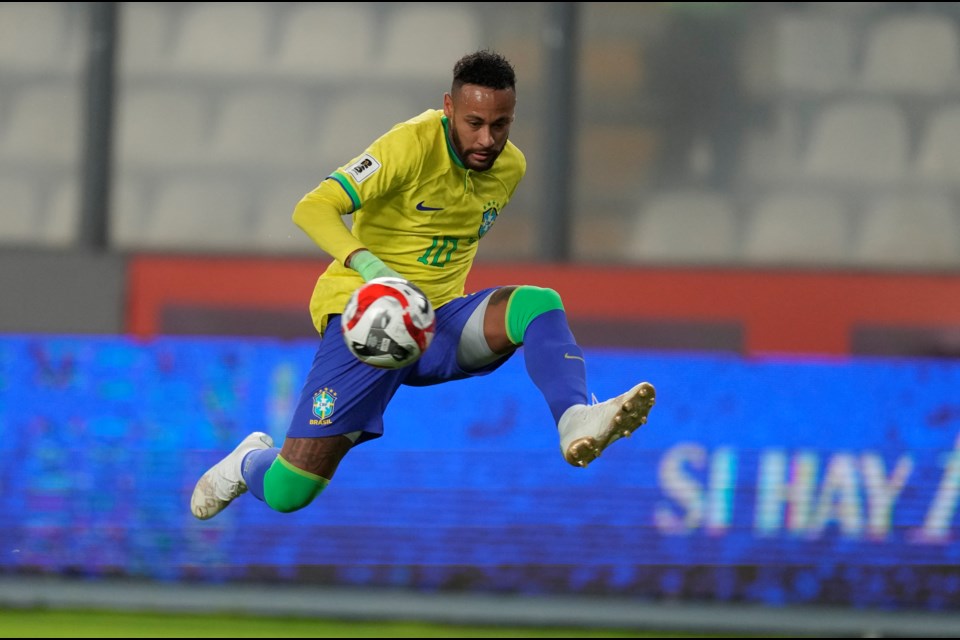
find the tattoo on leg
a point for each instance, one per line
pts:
(495, 321)
(501, 295)
(319, 456)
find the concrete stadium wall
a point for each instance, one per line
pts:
(62, 291)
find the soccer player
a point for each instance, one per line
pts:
(422, 196)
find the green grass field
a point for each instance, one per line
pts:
(63, 623)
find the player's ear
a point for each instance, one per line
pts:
(448, 105)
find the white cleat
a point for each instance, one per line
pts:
(586, 430)
(223, 481)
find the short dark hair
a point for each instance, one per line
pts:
(485, 68)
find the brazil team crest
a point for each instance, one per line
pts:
(490, 214)
(323, 405)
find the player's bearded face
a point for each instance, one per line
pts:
(480, 120)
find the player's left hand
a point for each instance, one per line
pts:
(370, 266)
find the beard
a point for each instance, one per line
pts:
(470, 161)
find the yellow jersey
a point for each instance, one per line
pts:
(417, 208)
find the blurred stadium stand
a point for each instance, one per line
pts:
(840, 101)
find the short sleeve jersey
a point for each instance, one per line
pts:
(417, 208)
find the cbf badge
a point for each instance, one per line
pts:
(323, 401)
(489, 217)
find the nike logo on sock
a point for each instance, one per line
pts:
(567, 356)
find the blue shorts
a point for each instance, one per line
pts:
(342, 394)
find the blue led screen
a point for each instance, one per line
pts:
(828, 481)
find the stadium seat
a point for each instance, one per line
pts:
(858, 143)
(911, 53)
(261, 126)
(798, 229)
(200, 214)
(44, 124)
(223, 38)
(351, 121)
(61, 224)
(130, 207)
(424, 40)
(771, 151)
(938, 157)
(39, 212)
(146, 36)
(685, 226)
(814, 53)
(326, 40)
(162, 126)
(920, 231)
(41, 37)
(274, 230)
(20, 212)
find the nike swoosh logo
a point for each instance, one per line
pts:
(567, 356)
(422, 207)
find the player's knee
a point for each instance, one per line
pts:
(287, 488)
(526, 303)
(540, 297)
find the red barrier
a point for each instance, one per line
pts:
(799, 312)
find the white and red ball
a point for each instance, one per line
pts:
(388, 323)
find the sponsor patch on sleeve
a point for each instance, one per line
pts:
(365, 166)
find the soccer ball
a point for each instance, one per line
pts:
(388, 323)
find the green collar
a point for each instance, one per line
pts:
(446, 136)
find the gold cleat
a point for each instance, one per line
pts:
(587, 430)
